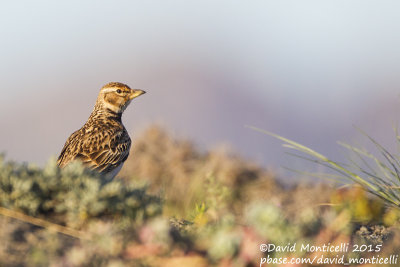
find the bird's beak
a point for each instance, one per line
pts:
(135, 93)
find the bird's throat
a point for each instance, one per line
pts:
(102, 111)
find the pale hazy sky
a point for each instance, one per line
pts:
(308, 70)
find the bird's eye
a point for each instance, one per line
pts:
(119, 91)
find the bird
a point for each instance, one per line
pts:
(103, 143)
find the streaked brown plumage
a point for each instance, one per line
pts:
(102, 143)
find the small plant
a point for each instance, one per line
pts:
(380, 177)
(355, 201)
(71, 196)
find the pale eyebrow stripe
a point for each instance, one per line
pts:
(113, 89)
(109, 90)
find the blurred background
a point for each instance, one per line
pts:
(306, 70)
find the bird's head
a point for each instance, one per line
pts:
(117, 96)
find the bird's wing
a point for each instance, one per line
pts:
(70, 149)
(109, 153)
(100, 150)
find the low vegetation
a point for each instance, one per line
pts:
(175, 206)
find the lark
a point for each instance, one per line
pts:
(102, 143)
